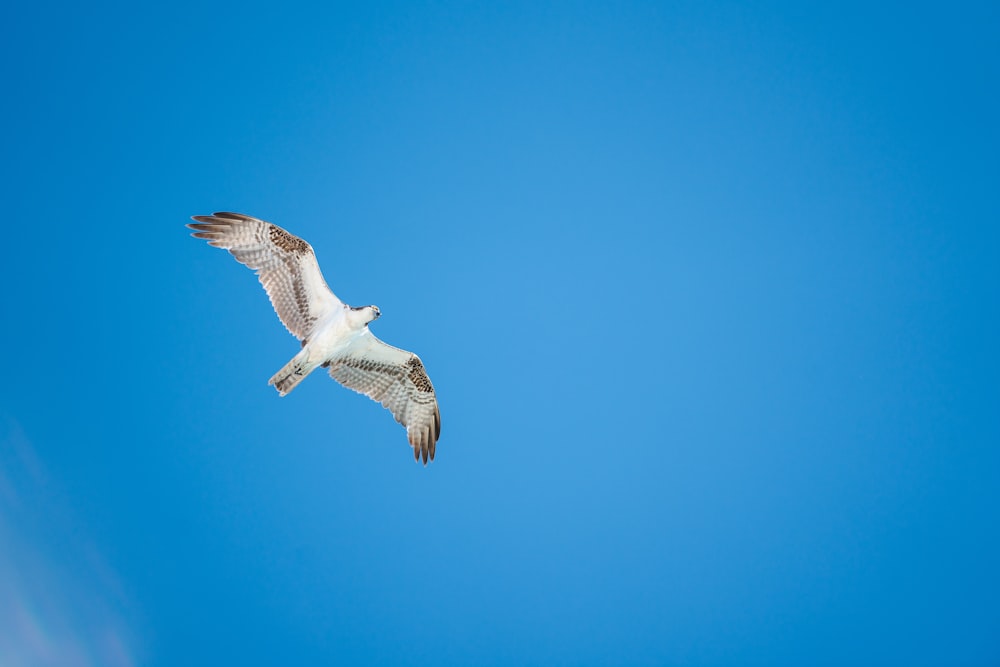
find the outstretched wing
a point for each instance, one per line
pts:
(396, 379)
(285, 264)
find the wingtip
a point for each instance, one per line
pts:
(229, 215)
(423, 447)
(221, 217)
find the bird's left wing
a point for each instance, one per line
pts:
(396, 379)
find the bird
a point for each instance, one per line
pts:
(333, 334)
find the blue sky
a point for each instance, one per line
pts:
(708, 291)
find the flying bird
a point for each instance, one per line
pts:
(334, 335)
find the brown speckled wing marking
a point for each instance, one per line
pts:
(287, 242)
(418, 376)
(396, 379)
(285, 264)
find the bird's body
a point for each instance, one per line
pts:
(333, 335)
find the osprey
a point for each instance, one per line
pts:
(333, 334)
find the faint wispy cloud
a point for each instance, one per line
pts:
(59, 602)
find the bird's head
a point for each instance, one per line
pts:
(363, 315)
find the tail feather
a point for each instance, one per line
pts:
(292, 373)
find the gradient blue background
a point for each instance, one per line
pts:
(709, 293)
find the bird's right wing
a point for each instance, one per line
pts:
(285, 264)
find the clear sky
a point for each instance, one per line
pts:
(710, 294)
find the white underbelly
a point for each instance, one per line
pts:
(331, 340)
